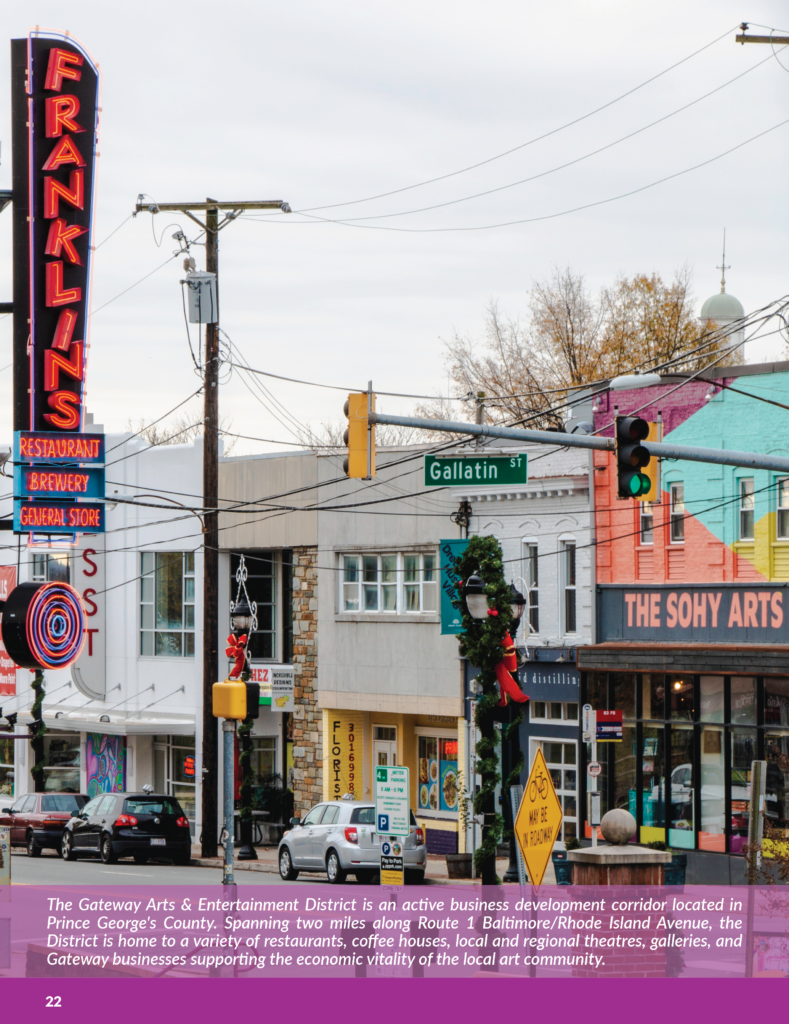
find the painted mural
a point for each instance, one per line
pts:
(105, 757)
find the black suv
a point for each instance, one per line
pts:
(139, 825)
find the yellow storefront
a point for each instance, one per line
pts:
(432, 747)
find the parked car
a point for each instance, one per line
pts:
(138, 825)
(37, 820)
(339, 838)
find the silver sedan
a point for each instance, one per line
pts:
(339, 838)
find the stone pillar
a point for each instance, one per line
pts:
(605, 866)
(307, 717)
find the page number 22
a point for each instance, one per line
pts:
(54, 1001)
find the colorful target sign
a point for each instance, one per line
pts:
(44, 625)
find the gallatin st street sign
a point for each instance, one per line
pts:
(484, 470)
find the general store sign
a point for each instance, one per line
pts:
(718, 613)
(476, 471)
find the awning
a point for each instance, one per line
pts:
(701, 659)
(116, 724)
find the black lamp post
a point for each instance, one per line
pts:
(242, 620)
(511, 749)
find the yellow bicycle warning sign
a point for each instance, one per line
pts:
(538, 821)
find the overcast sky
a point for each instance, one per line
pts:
(323, 103)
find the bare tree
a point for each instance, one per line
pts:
(182, 430)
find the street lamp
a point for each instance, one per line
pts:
(243, 620)
(517, 604)
(242, 616)
(476, 602)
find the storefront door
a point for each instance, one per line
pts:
(384, 745)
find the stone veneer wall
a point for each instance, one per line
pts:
(307, 717)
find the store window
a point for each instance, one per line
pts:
(61, 762)
(743, 752)
(553, 711)
(776, 701)
(712, 833)
(6, 767)
(561, 761)
(782, 519)
(776, 752)
(677, 513)
(568, 584)
(167, 604)
(711, 692)
(395, 583)
(438, 775)
(261, 587)
(51, 568)
(682, 820)
(625, 756)
(531, 574)
(653, 773)
(653, 695)
(746, 509)
(743, 700)
(680, 690)
(174, 771)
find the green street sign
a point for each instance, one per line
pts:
(477, 470)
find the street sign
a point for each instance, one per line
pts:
(451, 616)
(392, 868)
(594, 768)
(392, 808)
(475, 471)
(587, 724)
(539, 820)
(609, 726)
(282, 684)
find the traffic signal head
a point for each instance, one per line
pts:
(359, 436)
(230, 699)
(631, 457)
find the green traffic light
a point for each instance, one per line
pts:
(638, 484)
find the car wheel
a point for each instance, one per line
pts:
(140, 858)
(33, 849)
(334, 869)
(66, 847)
(414, 877)
(366, 877)
(108, 855)
(286, 870)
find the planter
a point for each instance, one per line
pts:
(562, 867)
(674, 873)
(459, 865)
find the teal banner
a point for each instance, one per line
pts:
(451, 618)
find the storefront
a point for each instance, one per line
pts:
(696, 711)
(430, 746)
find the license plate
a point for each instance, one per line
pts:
(158, 842)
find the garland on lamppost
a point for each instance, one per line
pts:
(243, 622)
(37, 730)
(481, 642)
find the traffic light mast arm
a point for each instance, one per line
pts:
(750, 460)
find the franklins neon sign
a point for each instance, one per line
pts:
(61, 105)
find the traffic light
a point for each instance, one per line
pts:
(359, 436)
(631, 456)
(230, 699)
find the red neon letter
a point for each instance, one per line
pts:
(54, 190)
(60, 112)
(65, 329)
(61, 237)
(54, 362)
(65, 152)
(56, 295)
(58, 68)
(66, 416)
(86, 558)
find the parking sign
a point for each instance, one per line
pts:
(392, 808)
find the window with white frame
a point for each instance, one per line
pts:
(746, 508)
(782, 519)
(568, 578)
(51, 568)
(397, 583)
(553, 711)
(531, 574)
(167, 604)
(677, 513)
(646, 522)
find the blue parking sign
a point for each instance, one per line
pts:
(383, 823)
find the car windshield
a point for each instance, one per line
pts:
(152, 805)
(67, 802)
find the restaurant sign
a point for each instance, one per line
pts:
(754, 613)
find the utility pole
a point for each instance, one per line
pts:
(212, 227)
(772, 39)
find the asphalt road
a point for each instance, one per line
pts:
(49, 869)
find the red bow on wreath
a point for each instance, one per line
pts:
(508, 664)
(237, 648)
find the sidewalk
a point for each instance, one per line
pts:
(436, 873)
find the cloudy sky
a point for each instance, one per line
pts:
(329, 103)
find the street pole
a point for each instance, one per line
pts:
(212, 227)
(229, 736)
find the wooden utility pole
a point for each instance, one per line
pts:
(772, 39)
(212, 227)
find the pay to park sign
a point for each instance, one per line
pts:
(538, 821)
